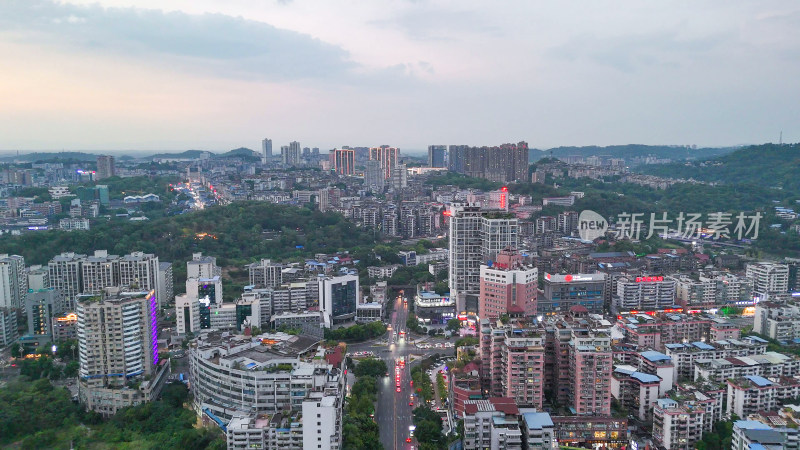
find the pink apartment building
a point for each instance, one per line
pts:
(507, 287)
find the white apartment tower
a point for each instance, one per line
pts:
(13, 281)
(65, 275)
(769, 279)
(476, 236)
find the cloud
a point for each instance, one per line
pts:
(633, 52)
(441, 24)
(227, 46)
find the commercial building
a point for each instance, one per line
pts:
(508, 285)
(117, 347)
(369, 312)
(562, 292)
(645, 293)
(105, 167)
(594, 432)
(338, 297)
(296, 320)
(187, 314)
(434, 309)
(165, 289)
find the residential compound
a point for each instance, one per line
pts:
(779, 321)
(569, 357)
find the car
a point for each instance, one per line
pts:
(408, 439)
(410, 403)
(398, 388)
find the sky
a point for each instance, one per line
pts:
(141, 75)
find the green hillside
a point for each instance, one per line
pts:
(631, 151)
(768, 165)
(241, 153)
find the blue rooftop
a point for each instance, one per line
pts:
(538, 420)
(759, 381)
(751, 425)
(703, 346)
(645, 377)
(654, 356)
(757, 339)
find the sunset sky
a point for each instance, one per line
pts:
(121, 75)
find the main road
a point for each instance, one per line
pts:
(393, 412)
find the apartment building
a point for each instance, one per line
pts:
(769, 279)
(660, 328)
(779, 321)
(768, 364)
(492, 424)
(684, 355)
(634, 390)
(645, 293)
(753, 393)
(13, 282)
(507, 285)
(117, 344)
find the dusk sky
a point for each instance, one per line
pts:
(120, 75)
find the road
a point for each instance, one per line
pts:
(393, 412)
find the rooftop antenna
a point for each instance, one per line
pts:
(780, 139)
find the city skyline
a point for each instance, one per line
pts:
(128, 75)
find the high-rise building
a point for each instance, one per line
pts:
(386, 156)
(8, 327)
(285, 158)
(13, 281)
(343, 161)
(99, 272)
(504, 163)
(374, 180)
(399, 177)
(65, 276)
(165, 291)
(338, 297)
(105, 167)
(118, 343)
(266, 150)
(295, 154)
(769, 279)
(41, 307)
(139, 271)
(265, 274)
(187, 314)
(476, 236)
(507, 286)
(437, 156)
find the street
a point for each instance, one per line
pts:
(393, 412)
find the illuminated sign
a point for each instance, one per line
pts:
(648, 279)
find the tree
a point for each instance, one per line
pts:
(371, 367)
(453, 325)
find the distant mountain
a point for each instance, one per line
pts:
(631, 151)
(188, 154)
(768, 165)
(243, 153)
(50, 157)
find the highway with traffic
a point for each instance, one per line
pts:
(396, 399)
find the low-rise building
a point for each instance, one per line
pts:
(684, 355)
(492, 424)
(769, 364)
(754, 435)
(752, 393)
(538, 431)
(369, 312)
